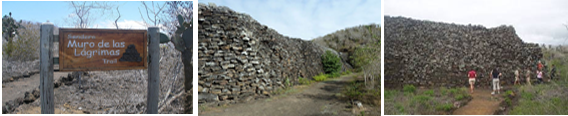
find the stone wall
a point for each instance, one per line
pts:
(426, 53)
(242, 60)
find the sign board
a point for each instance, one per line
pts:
(102, 49)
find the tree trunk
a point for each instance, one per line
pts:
(186, 59)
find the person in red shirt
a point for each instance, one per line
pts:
(539, 65)
(471, 75)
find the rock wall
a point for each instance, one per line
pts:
(426, 53)
(241, 60)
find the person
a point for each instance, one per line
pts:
(471, 74)
(539, 66)
(552, 72)
(528, 75)
(496, 74)
(517, 77)
(539, 76)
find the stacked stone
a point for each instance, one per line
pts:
(241, 60)
(426, 53)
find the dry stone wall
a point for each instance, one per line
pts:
(242, 60)
(426, 53)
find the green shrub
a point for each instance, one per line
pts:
(305, 81)
(459, 97)
(421, 99)
(353, 90)
(429, 92)
(454, 91)
(389, 94)
(320, 77)
(508, 101)
(444, 107)
(333, 75)
(346, 72)
(331, 62)
(409, 88)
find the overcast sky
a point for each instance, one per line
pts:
(307, 19)
(536, 21)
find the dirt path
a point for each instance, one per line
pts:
(314, 100)
(481, 104)
(18, 88)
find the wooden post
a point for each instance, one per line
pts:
(153, 70)
(46, 68)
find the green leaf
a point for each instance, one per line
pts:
(164, 38)
(180, 19)
(178, 43)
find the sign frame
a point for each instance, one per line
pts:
(66, 60)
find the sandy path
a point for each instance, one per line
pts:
(314, 100)
(481, 104)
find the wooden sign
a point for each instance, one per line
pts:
(102, 49)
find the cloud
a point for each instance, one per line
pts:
(534, 21)
(307, 19)
(124, 24)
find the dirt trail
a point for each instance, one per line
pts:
(481, 104)
(18, 88)
(314, 100)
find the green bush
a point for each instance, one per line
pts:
(429, 92)
(305, 81)
(331, 62)
(353, 90)
(346, 72)
(320, 77)
(334, 75)
(409, 88)
(445, 107)
(389, 94)
(459, 97)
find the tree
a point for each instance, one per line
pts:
(153, 11)
(85, 12)
(174, 8)
(9, 31)
(116, 21)
(178, 23)
(9, 27)
(331, 62)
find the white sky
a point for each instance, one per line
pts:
(307, 19)
(535, 21)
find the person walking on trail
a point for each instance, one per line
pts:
(471, 74)
(552, 72)
(517, 80)
(528, 75)
(539, 76)
(539, 66)
(496, 74)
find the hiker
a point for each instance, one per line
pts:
(471, 74)
(539, 66)
(517, 77)
(528, 75)
(552, 72)
(539, 76)
(495, 74)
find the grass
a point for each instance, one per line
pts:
(320, 77)
(409, 88)
(305, 81)
(410, 100)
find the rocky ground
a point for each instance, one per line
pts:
(120, 91)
